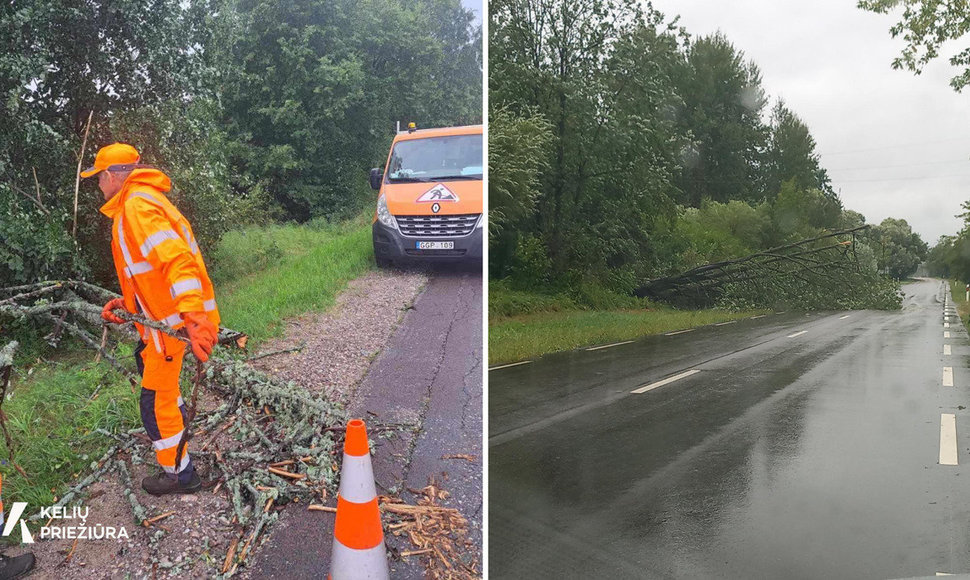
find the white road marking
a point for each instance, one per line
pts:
(782, 312)
(946, 325)
(666, 381)
(525, 362)
(946, 334)
(680, 332)
(946, 350)
(948, 439)
(723, 323)
(797, 334)
(947, 376)
(759, 316)
(609, 345)
(844, 317)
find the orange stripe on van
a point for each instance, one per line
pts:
(356, 441)
(358, 525)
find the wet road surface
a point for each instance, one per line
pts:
(804, 446)
(428, 379)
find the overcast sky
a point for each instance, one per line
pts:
(895, 144)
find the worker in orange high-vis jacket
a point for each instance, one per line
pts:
(163, 278)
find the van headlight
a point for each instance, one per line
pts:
(383, 215)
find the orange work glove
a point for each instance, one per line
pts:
(113, 304)
(202, 334)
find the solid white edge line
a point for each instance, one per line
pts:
(946, 350)
(797, 334)
(666, 381)
(947, 376)
(948, 439)
(844, 317)
(680, 332)
(609, 345)
(525, 362)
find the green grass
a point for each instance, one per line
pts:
(527, 336)
(53, 415)
(959, 293)
(308, 268)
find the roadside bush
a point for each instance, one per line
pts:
(531, 265)
(34, 246)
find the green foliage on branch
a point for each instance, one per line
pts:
(926, 26)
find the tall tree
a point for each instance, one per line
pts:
(791, 155)
(312, 89)
(899, 250)
(723, 103)
(600, 72)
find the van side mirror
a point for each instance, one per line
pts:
(376, 177)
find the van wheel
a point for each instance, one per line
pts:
(383, 262)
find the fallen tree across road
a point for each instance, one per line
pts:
(820, 273)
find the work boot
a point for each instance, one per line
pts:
(16, 566)
(162, 484)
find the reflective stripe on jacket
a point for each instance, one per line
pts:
(156, 257)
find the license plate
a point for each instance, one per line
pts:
(434, 245)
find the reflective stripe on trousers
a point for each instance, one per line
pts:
(162, 409)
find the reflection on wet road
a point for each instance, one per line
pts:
(801, 446)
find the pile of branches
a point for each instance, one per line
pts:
(824, 272)
(438, 533)
(281, 439)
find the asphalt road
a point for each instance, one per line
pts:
(804, 446)
(428, 377)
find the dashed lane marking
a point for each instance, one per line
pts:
(946, 334)
(759, 316)
(666, 381)
(525, 362)
(946, 325)
(724, 323)
(946, 350)
(844, 317)
(609, 345)
(948, 439)
(680, 332)
(947, 376)
(797, 334)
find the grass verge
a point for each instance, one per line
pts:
(959, 293)
(525, 325)
(309, 267)
(54, 412)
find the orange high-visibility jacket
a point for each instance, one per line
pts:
(156, 256)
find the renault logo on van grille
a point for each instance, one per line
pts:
(436, 194)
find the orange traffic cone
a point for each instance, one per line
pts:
(358, 539)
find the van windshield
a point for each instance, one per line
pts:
(436, 159)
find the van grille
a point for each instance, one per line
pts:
(427, 226)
